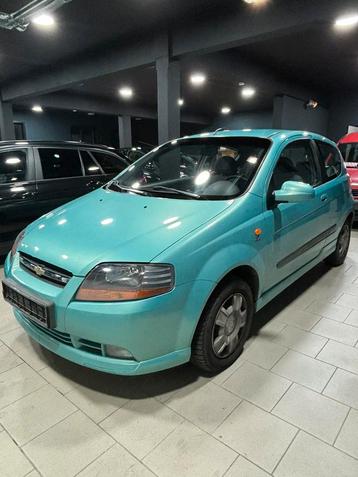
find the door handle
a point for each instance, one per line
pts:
(324, 197)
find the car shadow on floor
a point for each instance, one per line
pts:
(169, 381)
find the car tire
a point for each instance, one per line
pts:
(338, 257)
(223, 327)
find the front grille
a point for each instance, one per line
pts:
(40, 312)
(45, 271)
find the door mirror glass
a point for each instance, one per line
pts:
(292, 191)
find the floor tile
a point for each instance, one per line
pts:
(140, 425)
(95, 404)
(189, 452)
(257, 385)
(7, 319)
(17, 383)
(244, 468)
(348, 300)
(343, 387)
(347, 440)
(300, 340)
(304, 370)
(336, 331)
(352, 318)
(68, 447)
(194, 406)
(222, 377)
(329, 310)
(35, 413)
(116, 462)
(312, 412)
(299, 318)
(310, 457)
(58, 380)
(340, 355)
(30, 351)
(8, 359)
(13, 463)
(264, 352)
(256, 435)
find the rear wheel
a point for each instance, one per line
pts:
(339, 255)
(224, 327)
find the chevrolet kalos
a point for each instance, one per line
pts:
(169, 261)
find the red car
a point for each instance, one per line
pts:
(348, 146)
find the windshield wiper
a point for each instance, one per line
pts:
(126, 189)
(171, 190)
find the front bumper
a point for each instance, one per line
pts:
(156, 331)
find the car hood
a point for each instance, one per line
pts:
(113, 226)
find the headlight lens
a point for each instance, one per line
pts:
(16, 243)
(126, 281)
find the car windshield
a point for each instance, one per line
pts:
(205, 168)
(349, 152)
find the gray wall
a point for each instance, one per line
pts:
(290, 113)
(253, 120)
(343, 113)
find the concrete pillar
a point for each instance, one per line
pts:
(125, 131)
(7, 129)
(168, 93)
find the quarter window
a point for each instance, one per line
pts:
(330, 160)
(13, 166)
(60, 163)
(110, 164)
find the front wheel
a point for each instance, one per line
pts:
(339, 255)
(224, 327)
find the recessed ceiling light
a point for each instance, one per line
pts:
(126, 92)
(225, 110)
(91, 114)
(347, 21)
(37, 108)
(44, 20)
(255, 2)
(248, 92)
(180, 101)
(197, 79)
(242, 83)
(74, 110)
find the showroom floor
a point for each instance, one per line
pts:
(288, 407)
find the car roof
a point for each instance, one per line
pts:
(262, 133)
(25, 142)
(349, 138)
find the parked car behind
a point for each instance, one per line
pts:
(167, 264)
(36, 177)
(348, 146)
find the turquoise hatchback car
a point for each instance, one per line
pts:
(169, 261)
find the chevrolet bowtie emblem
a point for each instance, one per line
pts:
(39, 270)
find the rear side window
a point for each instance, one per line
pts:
(330, 160)
(110, 164)
(60, 163)
(13, 166)
(90, 166)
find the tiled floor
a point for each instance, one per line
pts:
(287, 408)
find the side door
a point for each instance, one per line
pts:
(60, 177)
(17, 193)
(111, 164)
(298, 230)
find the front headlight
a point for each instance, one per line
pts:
(16, 244)
(126, 281)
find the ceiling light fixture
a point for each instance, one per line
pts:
(242, 83)
(91, 114)
(248, 92)
(255, 3)
(126, 92)
(43, 20)
(347, 21)
(74, 110)
(197, 79)
(37, 108)
(181, 102)
(225, 110)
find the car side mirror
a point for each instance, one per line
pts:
(292, 191)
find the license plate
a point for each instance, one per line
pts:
(36, 309)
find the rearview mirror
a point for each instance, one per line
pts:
(292, 191)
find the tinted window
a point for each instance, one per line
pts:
(90, 166)
(330, 160)
(58, 163)
(296, 163)
(13, 166)
(110, 164)
(349, 152)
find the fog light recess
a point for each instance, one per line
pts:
(117, 352)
